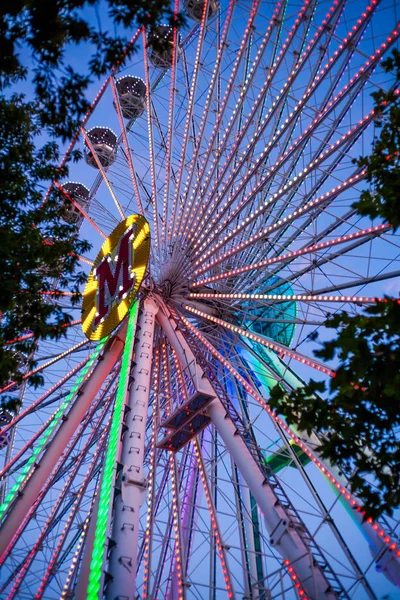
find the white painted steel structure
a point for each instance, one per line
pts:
(150, 465)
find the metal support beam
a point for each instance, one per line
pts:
(283, 537)
(123, 557)
(57, 445)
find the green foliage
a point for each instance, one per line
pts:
(38, 248)
(358, 420)
(357, 416)
(382, 199)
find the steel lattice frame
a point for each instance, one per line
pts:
(242, 162)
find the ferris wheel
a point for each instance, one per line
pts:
(217, 189)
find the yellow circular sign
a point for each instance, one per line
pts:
(116, 276)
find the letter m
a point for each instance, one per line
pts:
(114, 277)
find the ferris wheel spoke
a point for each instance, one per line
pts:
(170, 136)
(324, 511)
(324, 143)
(178, 548)
(279, 348)
(293, 117)
(154, 193)
(304, 14)
(224, 187)
(102, 171)
(357, 283)
(148, 537)
(274, 298)
(53, 515)
(128, 152)
(37, 403)
(322, 201)
(328, 37)
(54, 360)
(362, 236)
(368, 525)
(89, 421)
(330, 259)
(176, 206)
(90, 110)
(297, 146)
(271, 201)
(224, 104)
(80, 548)
(81, 209)
(223, 412)
(207, 103)
(216, 529)
(302, 21)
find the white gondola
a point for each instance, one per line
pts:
(104, 143)
(194, 8)
(132, 96)
(80, 194)
(161, 46)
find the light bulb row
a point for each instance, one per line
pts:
(290, 298)
(151, 478)
(150, 139)
(264, 123)
(209, 95)
(293, 115)
(345, 494)
(301, 175)
(288, 256)
(231, 79)
(105, 493)
(53, 421)
(278, 348)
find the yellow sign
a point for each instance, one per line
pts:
(116, 276)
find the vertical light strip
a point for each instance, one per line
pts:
(177, 208)
(207, 103)
(106, 489)
(55, 419)
(151, 479)
(154, 200)
(170, 129)
(213, 518)
(174, 477)
(207, 493)
(72, 514)
(200, 179)
(73, 566)
(176, 519)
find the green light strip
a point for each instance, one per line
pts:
(55, 419)
(106, 490)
